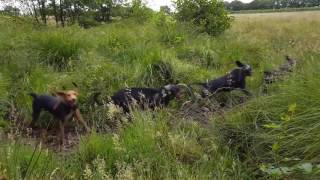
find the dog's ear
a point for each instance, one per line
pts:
(60, 93)
(239, 64)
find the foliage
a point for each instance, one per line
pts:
(158, 73)
(59, 49)
(209, 15)
(268, 136)
(87, 21)
(10, 11)
(237, 5)
(140, 11)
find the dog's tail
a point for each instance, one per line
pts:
(34, 95)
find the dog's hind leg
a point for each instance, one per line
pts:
(35, 117)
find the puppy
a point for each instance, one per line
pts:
(63, 107)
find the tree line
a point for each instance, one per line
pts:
(86, 12)
(237, 5)
(209, 16)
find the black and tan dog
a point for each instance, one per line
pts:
(272, 76)
(63, 107)
(236, 79)
(145, 97)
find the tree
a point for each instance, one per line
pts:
(165, 9)
(210, 15)
(10, 10)
(237, 5)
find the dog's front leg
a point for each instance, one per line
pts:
(80, 118)
(62, 139)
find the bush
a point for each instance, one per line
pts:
(210, 15)
(203, 56)
(87, 22)
(158, 74)
(59, 49)
(172, 37)
(139, 11)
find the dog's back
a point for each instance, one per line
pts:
(138, 94)
(143, 97)
(215, 84)
(45, 102)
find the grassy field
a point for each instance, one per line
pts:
(273, 136)
(276, 10)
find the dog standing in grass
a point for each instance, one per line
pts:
(146, 97)
(272, 76)
(63, 107)
(236, 79)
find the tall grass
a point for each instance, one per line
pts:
(272, 135)
(59, 48)
(280, 131)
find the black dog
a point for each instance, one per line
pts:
(236, 79)
(63, 107)
(145, 97)
(270, 77)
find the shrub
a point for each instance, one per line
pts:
(59, 48)
(203, 56)
(161, 19)
(87, 22)
(158, 74)
(210, 15)
(139, 11)
(171, 33)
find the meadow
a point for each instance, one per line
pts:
(276, 10)
(269, 136)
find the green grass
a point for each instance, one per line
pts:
(270, 136)
(276, 10)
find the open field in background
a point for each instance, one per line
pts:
(276, 10)
(268, 136)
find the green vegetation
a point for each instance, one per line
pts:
(210, 15)
(272, 135)
(237, 5)
(276, 10)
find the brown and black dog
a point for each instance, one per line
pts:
(63, 107)
(146, 97)
(272, 76)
